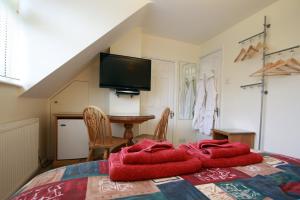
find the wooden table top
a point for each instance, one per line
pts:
(129, 118)
(233, 131)
(114, 118)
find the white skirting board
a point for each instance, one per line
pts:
(19, 143)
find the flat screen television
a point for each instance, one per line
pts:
(124, 72)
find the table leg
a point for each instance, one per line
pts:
(128, 134)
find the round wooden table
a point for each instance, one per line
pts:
(129, 120)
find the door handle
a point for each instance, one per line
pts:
(172, 114)
(62, 124)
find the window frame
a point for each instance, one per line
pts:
(10, 75)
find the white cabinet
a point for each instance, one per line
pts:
(72, 139)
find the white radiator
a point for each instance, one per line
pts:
(19, 143)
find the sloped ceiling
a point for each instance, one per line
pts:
(196, 21)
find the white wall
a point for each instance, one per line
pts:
(240, 108)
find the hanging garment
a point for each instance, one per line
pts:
(210, 105)
(199, 109)
(187, 100)
(183, 100)
(190, 100)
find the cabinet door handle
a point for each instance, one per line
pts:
(63, 125)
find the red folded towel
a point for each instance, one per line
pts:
(122, 172)
(150, 146)
(151, 152)
(240, 160)
(218, 148)
(247, 159)
(205, 142)
(225, 150)
(142, 157)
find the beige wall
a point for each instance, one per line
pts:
(82, 91)
(129, 44)
(176, 51)
(240, 108)
(164, 48)
(135, 43)
(14, 108)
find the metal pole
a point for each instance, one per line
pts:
(249, 38)
(250, 85)
(263, 92)
(287, 49)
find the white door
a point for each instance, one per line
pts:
(211, 65)
(160, 96)
(72, 139)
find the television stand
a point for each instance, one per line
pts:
(131, 92)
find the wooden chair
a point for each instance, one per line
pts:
(160, 130)
(99, 130)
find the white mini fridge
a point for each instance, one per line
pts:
(72, 139)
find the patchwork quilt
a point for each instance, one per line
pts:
(278, 177)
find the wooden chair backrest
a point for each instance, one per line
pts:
(98, 125)
(162, 126)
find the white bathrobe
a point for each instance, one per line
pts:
(199, 109)
(210, 105)
(190, 101)
(182, 105)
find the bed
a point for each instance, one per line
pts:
(277, 177)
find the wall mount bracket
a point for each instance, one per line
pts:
(130, 92)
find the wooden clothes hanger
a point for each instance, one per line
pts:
(258, 72)
(295, 61)
(293, 64)
(259, 46)
(287, 66)
(277, 74)
(263, 70)
(250, 52)
(242, 53)
(272, 69)
(278, 69)
(276, 65)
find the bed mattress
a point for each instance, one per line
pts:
(277, 177)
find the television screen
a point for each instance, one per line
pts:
(124, 72)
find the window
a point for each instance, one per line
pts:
(7, 35)
(3, 40)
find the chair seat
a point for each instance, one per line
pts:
(115, 141)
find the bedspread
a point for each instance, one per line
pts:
(278, 177)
